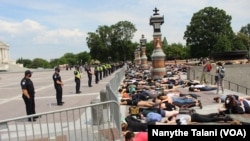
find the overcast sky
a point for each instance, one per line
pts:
(50, 28)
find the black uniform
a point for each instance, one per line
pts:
(27, 84)
(96, 74)
(89, 76)
(58, 87)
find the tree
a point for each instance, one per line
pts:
(25, 62)
(246, 30)
(111, 41)
(241, 42)
(207, 26)
(39, 62)
(223, 44)
(83, 57)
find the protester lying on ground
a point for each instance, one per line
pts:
(140, 103)
(222, 98)
(180, 101)
(179, 93)
(163, 112)
(191, 117)
(197, 88)
(235, 105)
(136, 125)
(192, 82)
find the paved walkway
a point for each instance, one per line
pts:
(11, 102)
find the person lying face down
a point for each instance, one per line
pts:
(180, 101)
(234, 104)
(197, 88)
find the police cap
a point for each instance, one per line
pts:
(27, 72)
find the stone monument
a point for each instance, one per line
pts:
(158, 57)
(137, 57)
(144, 59)
(5, 63)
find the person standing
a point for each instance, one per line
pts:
(89, 72)
(28, 95)
(205, 64)
(58, 86)
(96, 71)
(219, 70)
(78, 76)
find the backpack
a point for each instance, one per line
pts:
(134, 110)
(221, 71)
(209, 67)
(155, 117)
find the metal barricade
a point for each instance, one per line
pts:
(73, 124)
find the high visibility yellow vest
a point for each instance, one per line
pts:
(77, 74)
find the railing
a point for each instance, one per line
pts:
(195, 74)
(98, 121)
(85, 123)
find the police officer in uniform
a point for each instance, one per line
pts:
(100, 72)
(96, 71)
(58, 86)
(77, 74)
(89, 72)
(28, 91)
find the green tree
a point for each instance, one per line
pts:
(205, 29)
(68, 58)
(149, 49)
(83, 57)
(223, 44)
(246, 30)
(241, 42)
(111, 41)
(25, 62)
(39, 62)
(176, 51)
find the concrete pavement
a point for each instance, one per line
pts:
(11, 102)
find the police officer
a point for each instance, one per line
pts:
(77, 74)
(89, 72)
(28, 91)
(96, 71)
(58, 86)
(100, 72)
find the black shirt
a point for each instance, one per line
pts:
(28, 85)
(56, 77)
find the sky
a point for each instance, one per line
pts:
(50, 28)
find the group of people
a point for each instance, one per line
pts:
(161, 101)
(219, 74)
(28, 89)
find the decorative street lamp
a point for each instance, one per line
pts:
(158, 56)
(144, 63)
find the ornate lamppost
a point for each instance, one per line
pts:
(137, 57)
(144, 59)
(158, 57)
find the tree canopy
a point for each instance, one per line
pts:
(208, 30)
(112, 41)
